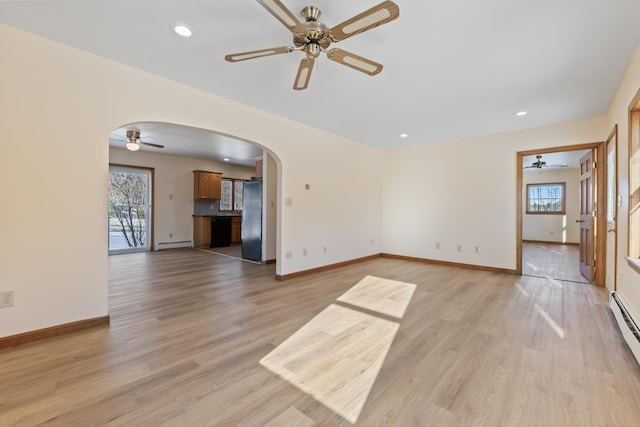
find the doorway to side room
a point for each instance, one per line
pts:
(553, 257)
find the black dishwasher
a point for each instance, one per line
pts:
(220, 231)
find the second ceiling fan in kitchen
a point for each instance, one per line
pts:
(313, 37)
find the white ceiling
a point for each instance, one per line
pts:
(452, 69)
(189, 142)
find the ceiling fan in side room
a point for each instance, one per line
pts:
(134, 141)
(539, 164)
(313, 37)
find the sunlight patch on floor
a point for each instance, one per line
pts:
(522, 291)
(533, 267)
(556, 328)
(381, 295)
(337, 355)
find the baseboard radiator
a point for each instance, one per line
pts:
(173, 245)
(627, 321)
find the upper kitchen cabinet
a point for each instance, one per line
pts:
(207, 185)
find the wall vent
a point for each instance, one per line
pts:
(173, 245)
(627, 322)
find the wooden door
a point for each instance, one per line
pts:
(612, 209)
(586, 217)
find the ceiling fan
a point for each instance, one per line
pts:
(539, 164)
(134, 141)
(314, 37)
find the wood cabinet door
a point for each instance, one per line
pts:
(216, 185)
(207, 185)
(204, 185)
(236, 231)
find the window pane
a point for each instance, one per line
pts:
(226, 199)
(545, 198)
(237, 196)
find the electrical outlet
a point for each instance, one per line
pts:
(477, 249)
(304, 252)
(324, 249)
(459, 248)
(437, 245)
(289, 255)
(170, 235)
(6, 299)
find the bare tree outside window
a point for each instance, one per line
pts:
(128, 208)
(231, 199)
(546, 198)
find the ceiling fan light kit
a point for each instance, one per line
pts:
(134, 141)
(314, 37)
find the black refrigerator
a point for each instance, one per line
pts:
(252, 220)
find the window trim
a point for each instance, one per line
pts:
(563, 210)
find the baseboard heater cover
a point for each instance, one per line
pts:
(627, 321)
(174, 245)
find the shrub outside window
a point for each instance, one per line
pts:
(548, 198)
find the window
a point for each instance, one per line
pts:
(231, 197)
(634, 177)
(129, 209)
(546, 198)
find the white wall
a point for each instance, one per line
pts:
(464, 193)
(173, 188)
(553, 228)
(628, 281)
(58, 107)
(269, 209)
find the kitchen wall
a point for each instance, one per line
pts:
(173, 188)
(59, 106)
(553, 228)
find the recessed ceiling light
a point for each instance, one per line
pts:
(403, 135)
(521, 113)
(182, 30)
(225, 159)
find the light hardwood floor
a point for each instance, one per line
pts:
(189, 330)
(554, 261)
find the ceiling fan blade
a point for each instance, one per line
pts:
(284, 15)
(354, 61)
(235, 57)
(558, 165)
(380, 14)
(304, 74)
(151, 144)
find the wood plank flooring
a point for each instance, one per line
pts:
(189, 329)
(554, 261)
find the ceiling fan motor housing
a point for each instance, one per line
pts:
(316, 38)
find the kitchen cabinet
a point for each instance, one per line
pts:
(207, 185)
(202, 231)
(236, 229)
